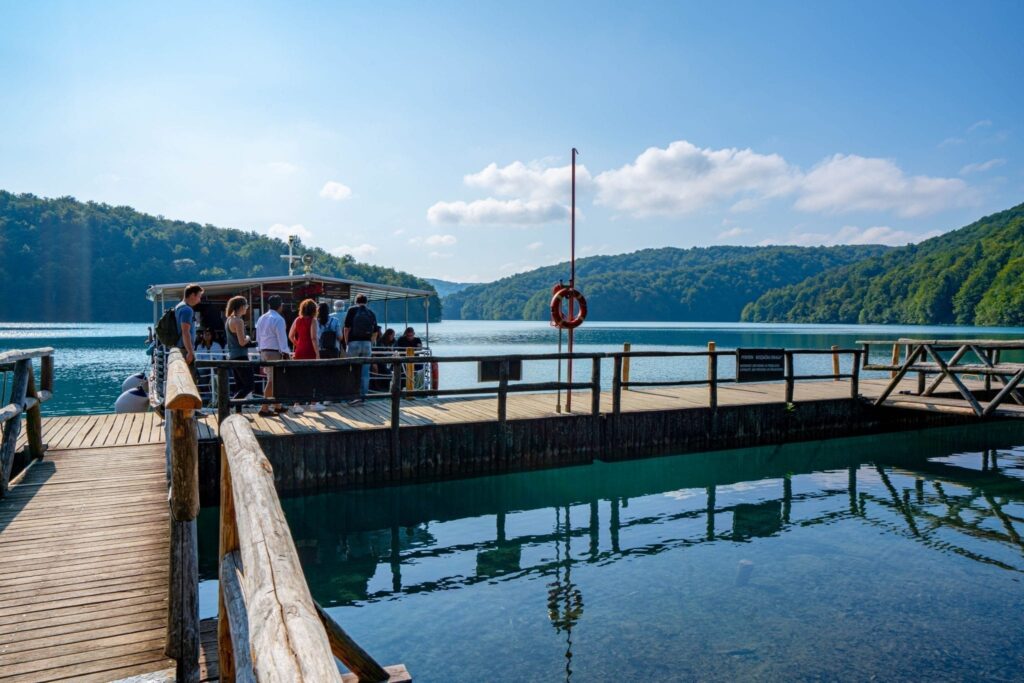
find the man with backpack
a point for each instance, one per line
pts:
(360, 323)
(177, 326)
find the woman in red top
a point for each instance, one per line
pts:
(303, 334)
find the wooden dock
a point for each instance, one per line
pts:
(83, 561)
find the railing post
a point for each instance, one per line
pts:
(835, 363)
(410, 370)
(396, 416)
(595, 402)
(712, 376)
(181, 399)
(895, 359)
(989, 355)
(625, 364)
(855, 376)
(616, 384)
(503, 369)
(223, 394)
(34, 419)
(789, 376)
(12, 428)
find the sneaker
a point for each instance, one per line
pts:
(356, 402)
(296, 410)
(317, 407)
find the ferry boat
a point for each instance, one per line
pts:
(392, 305)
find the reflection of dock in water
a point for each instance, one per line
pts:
(946, 507)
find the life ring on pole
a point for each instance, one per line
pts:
(435, 375)
(558, 318)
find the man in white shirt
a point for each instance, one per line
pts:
(272, 340)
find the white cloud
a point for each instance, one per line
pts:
(439, 254)
(492, 211)
(534, 246)
(434, 241)
(683, 178)
(982, 167)
(336, 191)
(949, 142)
(360, 251)
(282, 231)
(399, 232)
(851, 234)
(530, 181)
(984, 123)
(854, 183)
(732, 233)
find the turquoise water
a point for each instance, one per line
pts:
(890, 557)
(93, 359)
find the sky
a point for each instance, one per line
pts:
(435, 137)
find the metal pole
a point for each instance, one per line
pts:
(426, 322)
(572, 279)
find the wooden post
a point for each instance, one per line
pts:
(184, 455)
(233, 624)
(835, 363)
(34, 419)
(182, 642)
(855, 379)
(228, 544)
(396, 416)
(502, 409)
(410, 370)
(616, 385)
(12, 428)
(789, 377)
(46, 373)
(625, 364)
(988, 378)
(895, 359)
(595, 402)
(712, 376)
(223, 394)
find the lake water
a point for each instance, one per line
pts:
(93, 359)
(891, 557)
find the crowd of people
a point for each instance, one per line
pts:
(314, 333)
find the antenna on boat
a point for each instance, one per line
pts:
(291, 257)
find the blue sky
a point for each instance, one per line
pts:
(434, 137)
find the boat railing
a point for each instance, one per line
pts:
(25, 397)
(264, 603)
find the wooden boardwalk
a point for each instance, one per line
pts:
(83, 565)
(96, 431)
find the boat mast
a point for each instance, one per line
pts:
(290, 257)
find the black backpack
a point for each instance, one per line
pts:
(363, 323)
(167, 331)
(328, 341)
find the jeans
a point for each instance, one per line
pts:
(362, 349)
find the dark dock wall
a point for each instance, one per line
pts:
(305, 463)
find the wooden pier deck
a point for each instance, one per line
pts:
(95, 431)
(83, 563)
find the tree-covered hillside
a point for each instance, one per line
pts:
(65, 260)
(971, 276)
(668, 284)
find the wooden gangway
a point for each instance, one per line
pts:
(99, 557)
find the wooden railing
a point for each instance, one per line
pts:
(620, 376)
(269, 627)
(26, 398)
(181, 400)
(927, 357)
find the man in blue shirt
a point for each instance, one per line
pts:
(185, 316)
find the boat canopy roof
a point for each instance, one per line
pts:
(290, 287)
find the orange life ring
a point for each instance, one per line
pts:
(558, 319)
(435, 376)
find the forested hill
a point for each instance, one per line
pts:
(668, 284)
(65, 260)
(971, 276)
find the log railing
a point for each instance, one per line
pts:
(269, 627)
(182, 443)
(25, 399)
